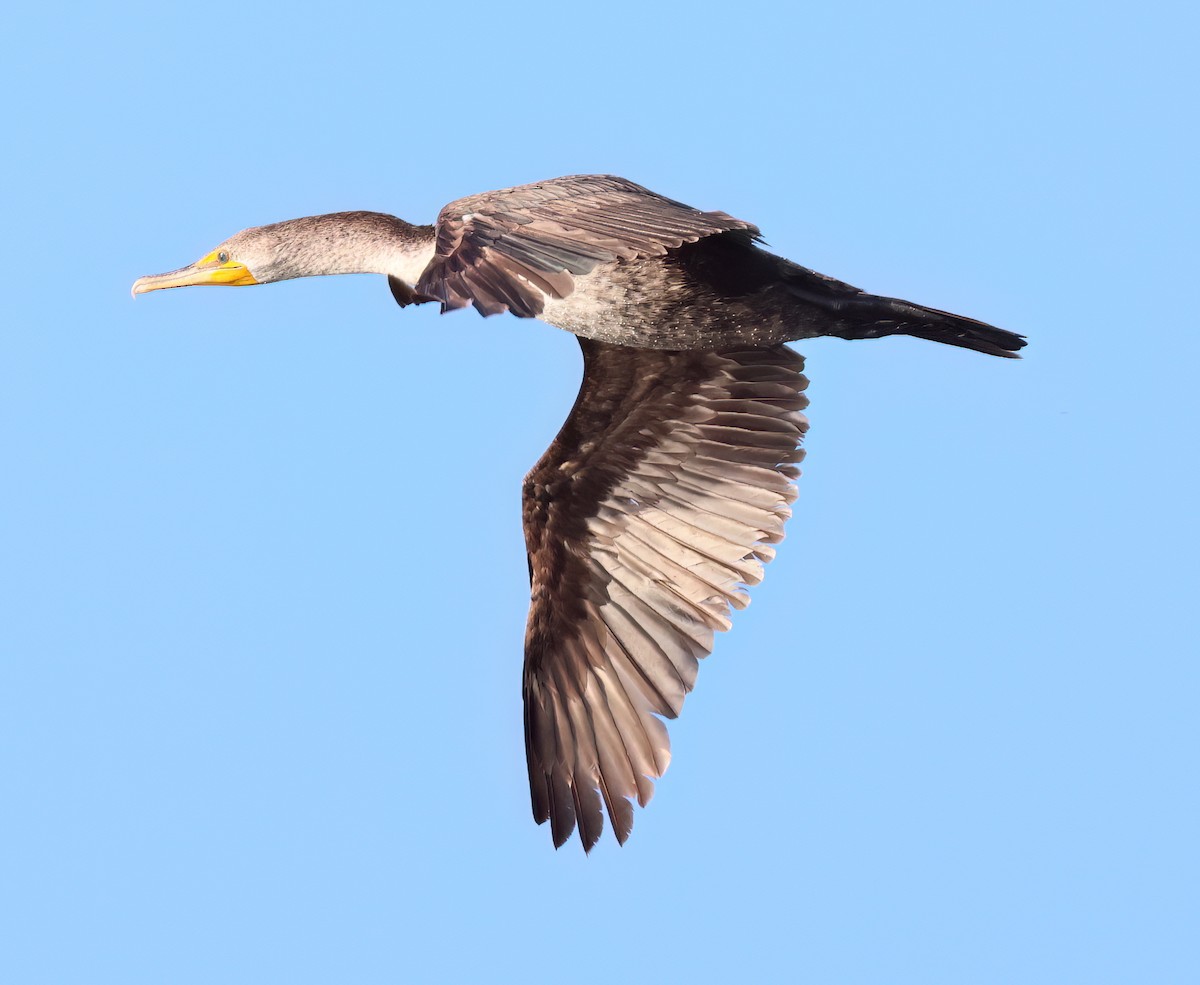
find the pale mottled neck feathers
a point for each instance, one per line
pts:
(340, 243)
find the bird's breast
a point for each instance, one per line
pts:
(651, 304)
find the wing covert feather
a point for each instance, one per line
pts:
(508, 250)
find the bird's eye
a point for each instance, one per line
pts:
(222, 257)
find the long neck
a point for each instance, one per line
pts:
(349, 243)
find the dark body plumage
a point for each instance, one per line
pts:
(661, 498)
(609, 260)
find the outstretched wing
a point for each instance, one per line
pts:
(647, 518)
(508, 250)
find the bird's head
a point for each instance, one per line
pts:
(240, 260)
(339, 243)
(259, 255)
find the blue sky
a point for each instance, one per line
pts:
(261, 571)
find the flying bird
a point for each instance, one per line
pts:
(663, 495)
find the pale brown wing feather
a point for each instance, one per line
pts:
(508, 250)
(650, 514)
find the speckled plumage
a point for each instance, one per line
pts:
(607, 259)
(661, 498)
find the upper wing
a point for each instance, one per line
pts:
(508, 250)
(646, 519)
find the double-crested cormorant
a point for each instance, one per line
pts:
(660, 499)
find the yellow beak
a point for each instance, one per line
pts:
(203, 273)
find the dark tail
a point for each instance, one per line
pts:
(870, 317)
(905, 318)
(866, 316)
